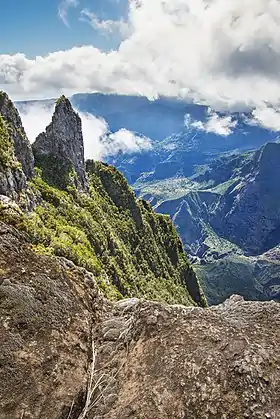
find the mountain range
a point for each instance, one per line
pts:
(219, 183)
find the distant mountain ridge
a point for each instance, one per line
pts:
(229, 220)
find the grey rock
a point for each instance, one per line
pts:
(112, 329)
(12, 181)
(16, 163)
(22, 146)
(59, 151)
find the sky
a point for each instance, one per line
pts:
(36, 28)
(225, 54)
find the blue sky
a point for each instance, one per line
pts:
(33, 27)
(224, 54)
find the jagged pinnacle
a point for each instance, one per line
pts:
(59, 151)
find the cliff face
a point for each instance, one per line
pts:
(12, 178)
(22, 147)
(15, 151)
(59, 151)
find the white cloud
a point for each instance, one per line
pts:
(63, 9)
(225, 54)
(127, 142)
(266, 117)
(98, 141)
(35, 117)
(220, 125)
(94, 130)
(106, 26)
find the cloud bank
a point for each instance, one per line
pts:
(99, 142)
(225, 54)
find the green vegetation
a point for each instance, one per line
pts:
(166, 189)
(6, 145)
(61, 99)
(7, 156)
(232, 275)
(130, 250)
(55, 171)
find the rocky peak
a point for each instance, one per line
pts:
(22, 147)
(59, 151)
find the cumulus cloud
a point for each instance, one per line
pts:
(219, 125)
(99, 142)
(266, 117)
(63, 9)
(225, 54)
(127, 142)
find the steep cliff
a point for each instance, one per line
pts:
(59, 151)
(95, 220)
(22, 147)
(12, 178)
(16, 157)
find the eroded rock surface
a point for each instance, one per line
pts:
(47, 309)
(176, 362)
(61, 341)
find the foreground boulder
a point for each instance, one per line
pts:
(65, 352)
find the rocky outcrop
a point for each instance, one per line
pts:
(12, 178)
(175, 362)
(22, 146)
(65, 352)
(47, 309)
(59, 151)
(12, 182)
(16, 157)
